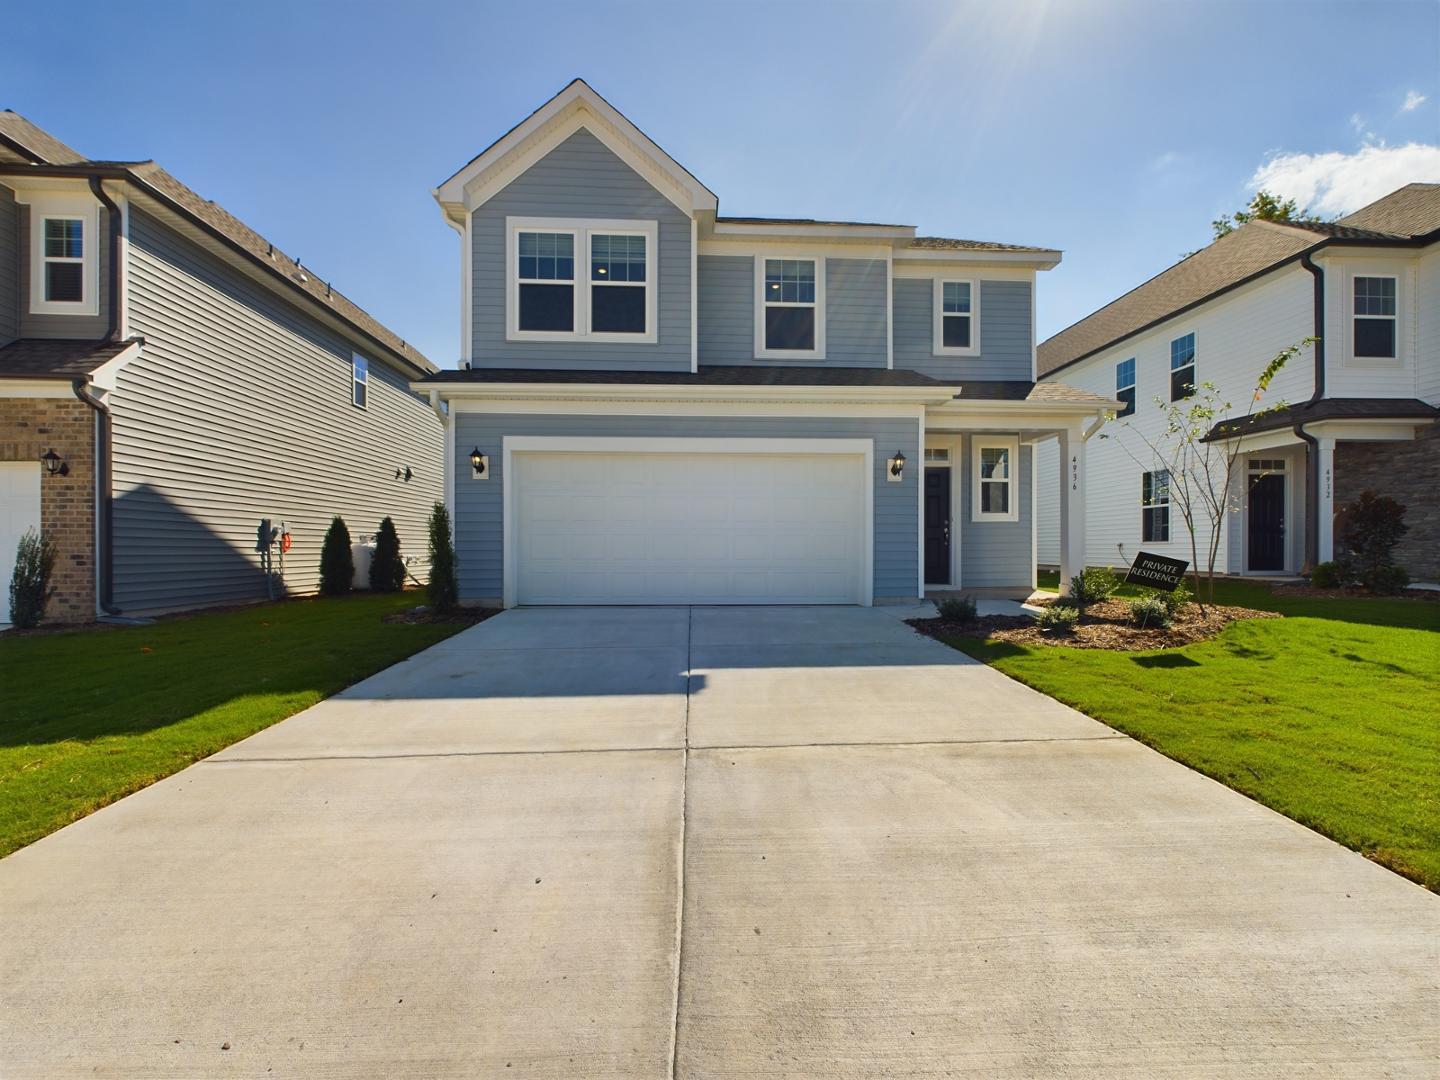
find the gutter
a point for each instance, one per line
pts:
(1312, 445)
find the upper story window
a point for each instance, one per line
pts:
(64, 265)
(64, 257)
(359, 380)
(1125, 386)
(993, 483)
(957, 319)
(790, 302)
(1155, 506)
(612, 300)
(1182, 367)
(1375, 317)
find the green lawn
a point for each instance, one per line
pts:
(90, 716)
(1330, 716)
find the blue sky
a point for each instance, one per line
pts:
(1113, 130)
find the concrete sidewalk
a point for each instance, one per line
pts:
(797, 842)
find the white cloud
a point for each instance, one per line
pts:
(1337, 183)
(1413, 100)
(1165, 161)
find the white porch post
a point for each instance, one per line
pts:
(1325, 512)
(1072, 504)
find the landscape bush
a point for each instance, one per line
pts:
(1329, 575)
(30, 581)
(1370, 528)
(1150, 611)
(957, 609)
(443, 590)
(1093, 584)
(387, 569)
(1059, 618)
(337, 562)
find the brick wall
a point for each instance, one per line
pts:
(1408, 472)
(28, 428)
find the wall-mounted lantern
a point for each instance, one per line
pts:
(897, 466)
(54, 464)
(404, 474)
(479, 465)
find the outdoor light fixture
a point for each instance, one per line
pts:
(404, 474)
(897, 466)
(53, 463)
(479, 465)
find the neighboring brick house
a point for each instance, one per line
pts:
(168, 378)
(1360, 413)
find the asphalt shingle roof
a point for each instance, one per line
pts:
(1326, 409)
(45, 358)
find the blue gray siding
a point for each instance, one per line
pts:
(855, 328)
(9, 266)
(478, 511)
(65, 326)
(580, 178)
(238, 408)
(1006, 330)
(996, 553)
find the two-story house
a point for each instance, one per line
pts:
(1360, 409)
(168, 378)
(660, 404)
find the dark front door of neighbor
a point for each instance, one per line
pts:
(937, 526)
(1267, 522)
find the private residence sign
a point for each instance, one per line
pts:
(1156, 571)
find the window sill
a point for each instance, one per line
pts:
(519, 336)
(942, 351)
(789, 354)
(55, 307)
(983, 519)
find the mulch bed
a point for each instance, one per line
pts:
(422, 615)
(1105, 625)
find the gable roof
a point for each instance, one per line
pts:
(1406, 217)
(211, 218)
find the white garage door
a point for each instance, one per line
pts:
(688, 528)
(19, 511)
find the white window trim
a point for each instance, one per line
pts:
(937, 306)
(1132, 385)
(1144, 506)
(1010, 443)
(1349, 312)
(1194, 366)
(580, 229)
(818, 352)
(56, 206)
(355, 380)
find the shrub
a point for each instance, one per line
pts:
(1328, 575)
(1150, 611)
(444, 588)
(1174, 602)
(337, 562)
(1387, 579)
(1371, 527)
(957, 609)
(387, 570)
(1058, 617)
(1093, 584)
(30, 583)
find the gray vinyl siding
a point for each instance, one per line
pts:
(239, 407)
(996, 554)
(1006, 332)
(9, 266)
(855, 330)
(580, 178)
(479, 504)
(65, 326)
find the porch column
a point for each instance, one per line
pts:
(1072, 504)
(1325, 515)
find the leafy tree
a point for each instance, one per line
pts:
(444, 587)
(387, 569)
(337, 562)
(1370, 528)
(30, 583)
(1264, 207)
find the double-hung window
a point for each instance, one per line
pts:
(581, 280)
(957, 319)
(64, 266)
(790, 308)
(359, 380)
(1375, 317)
(1125, 386)
(1182, 367)
(64, 257)
(996, 465)
(1155, 506)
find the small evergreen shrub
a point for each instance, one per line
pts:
(337, 562)
(1174, 602)
(1150, 611)
(957, 609)
(443, 590)
(1372, 526)
(1387, 579)
(30, 582)
(1059, 618)
(387, 569)
(1328, 575)
(1093, 584)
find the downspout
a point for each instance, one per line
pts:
(104, 484)
(1312, 445)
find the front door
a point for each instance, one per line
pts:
(1267, 521)
(937, 526)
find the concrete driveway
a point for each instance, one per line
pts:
(713, 842)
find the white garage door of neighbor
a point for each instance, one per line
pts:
(19, 511)
(688, 528)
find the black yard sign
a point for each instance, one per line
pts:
(1156, 571)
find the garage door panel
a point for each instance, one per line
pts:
(688, 528)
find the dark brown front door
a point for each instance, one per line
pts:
(937, 526)
(1267, 522)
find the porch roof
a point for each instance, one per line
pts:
(1324, 409)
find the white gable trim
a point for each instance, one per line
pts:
(575, 107)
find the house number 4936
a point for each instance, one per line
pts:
(1074, 474)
